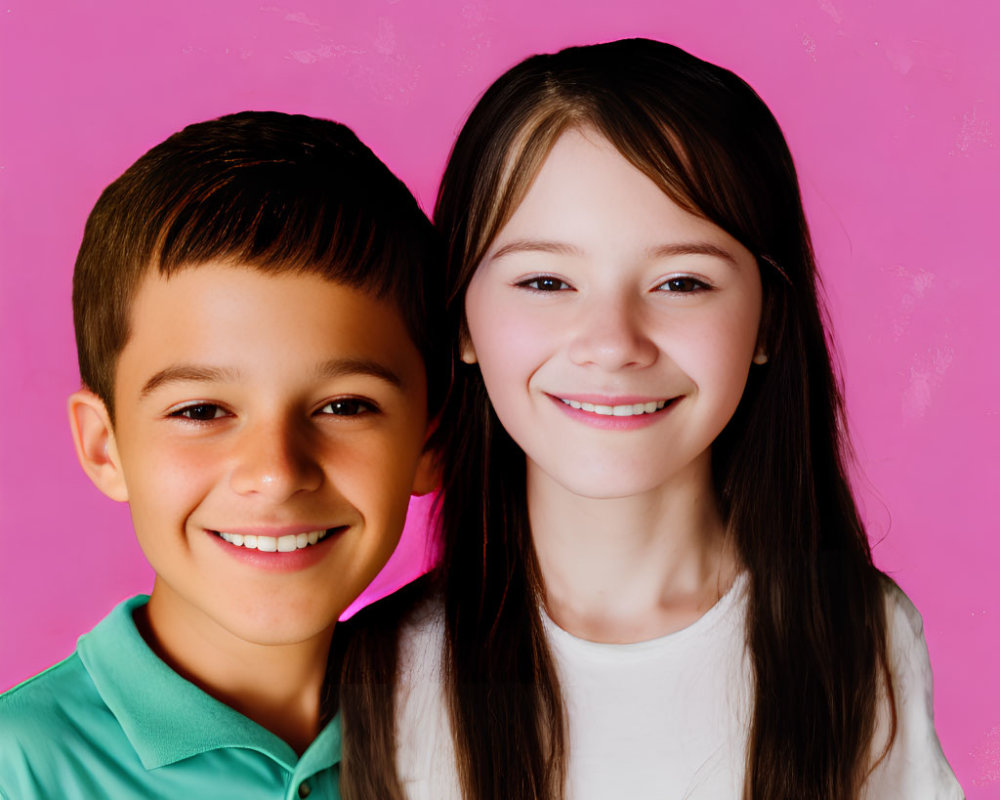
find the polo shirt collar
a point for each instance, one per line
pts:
(167, 718)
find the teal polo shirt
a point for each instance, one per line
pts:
(114, 721)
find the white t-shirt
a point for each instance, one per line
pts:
(666, 718)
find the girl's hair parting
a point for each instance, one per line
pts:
(816, 624)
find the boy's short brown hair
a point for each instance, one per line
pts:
(276, 192)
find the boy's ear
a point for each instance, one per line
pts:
(94, 438)
(427, 478)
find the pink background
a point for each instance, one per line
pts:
(891, 110)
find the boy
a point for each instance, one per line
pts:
(251, 321)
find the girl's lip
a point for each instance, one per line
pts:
(611, 421)
(610, 400)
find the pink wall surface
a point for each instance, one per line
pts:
(891, 110)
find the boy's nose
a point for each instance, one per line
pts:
(274, 460)
(610, 333)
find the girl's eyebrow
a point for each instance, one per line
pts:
(659, 251)
(536, 246)
(691, 249)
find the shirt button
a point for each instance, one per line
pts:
(304, 790)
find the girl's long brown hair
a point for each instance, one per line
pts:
(816, 624)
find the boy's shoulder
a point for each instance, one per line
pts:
(113, 720)
(38, 713)
(33, 702)
(56, 731)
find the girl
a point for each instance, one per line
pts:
(654, 581)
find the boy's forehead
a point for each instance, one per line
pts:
(218, 281)
(233, 316)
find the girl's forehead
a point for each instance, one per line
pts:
(588, 197)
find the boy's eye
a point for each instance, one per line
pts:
(348, 407)
(545, 283)
(683, 284)
(201, 412)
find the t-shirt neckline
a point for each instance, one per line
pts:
(720, 611)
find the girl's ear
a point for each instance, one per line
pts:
(94, 438)
(771, 322)
(468, 351)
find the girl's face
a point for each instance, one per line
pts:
(614, 329)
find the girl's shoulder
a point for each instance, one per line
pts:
(909, 660)
(425, 755)
(383, 627)
(915, 767)
(421, 636)
(904, 623)
(422, 613)
(397, 608)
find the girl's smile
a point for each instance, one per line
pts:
(614, 329)
(614, 413)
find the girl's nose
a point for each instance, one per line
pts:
(275, 460)
(610, 333)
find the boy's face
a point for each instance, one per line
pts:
(267, 407)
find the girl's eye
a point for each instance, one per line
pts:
(200, 412)
(683, 285)
(545, 283)
(348, 407)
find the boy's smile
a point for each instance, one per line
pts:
(269, 430)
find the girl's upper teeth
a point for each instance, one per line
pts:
(274, 544)
(627, 410)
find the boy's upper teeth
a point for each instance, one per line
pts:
(274, 544)
(626, 410)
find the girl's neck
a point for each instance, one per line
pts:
(632, 568)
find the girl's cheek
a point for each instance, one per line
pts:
(507, 330)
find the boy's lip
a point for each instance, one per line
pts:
(282, 553)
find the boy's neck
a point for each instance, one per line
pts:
(277, 686)
(634, 568)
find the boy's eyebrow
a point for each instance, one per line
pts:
(334, 368)
(187, 372)
(338, 367)
(660, 251)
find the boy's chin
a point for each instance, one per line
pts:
(180, 625)
(272, 628)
